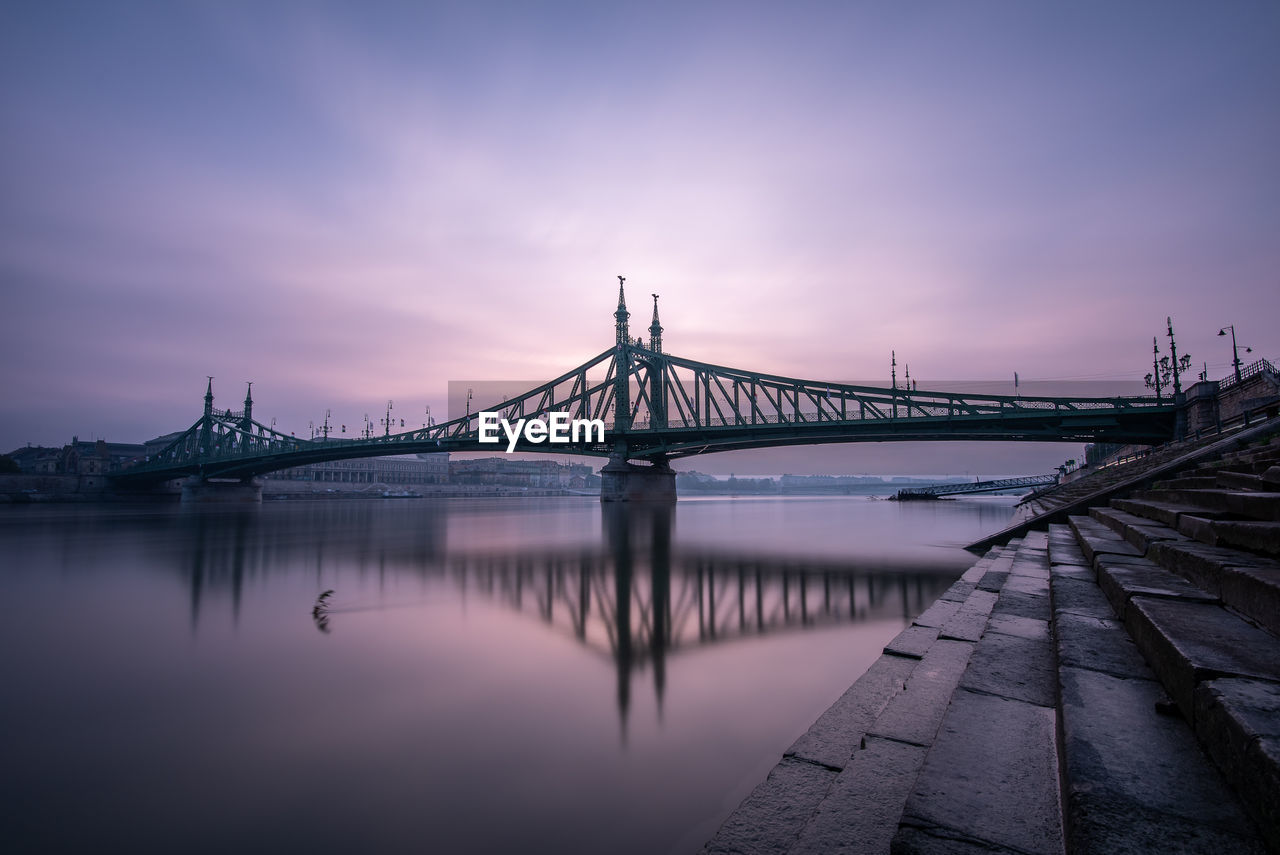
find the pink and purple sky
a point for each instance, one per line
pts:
(354, 202)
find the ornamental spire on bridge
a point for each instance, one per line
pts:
(655, 329)
(621, 316)
(206, 423)
(247, 420)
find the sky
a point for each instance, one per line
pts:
(350, 203)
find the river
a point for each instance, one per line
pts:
(517, 675)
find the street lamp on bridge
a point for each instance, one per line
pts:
(1235, 350)
(1178, 365)
(1154, 379)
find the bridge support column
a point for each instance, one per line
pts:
(621, 481)
(205, 490)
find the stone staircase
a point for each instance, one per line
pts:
(1051, 498)
(1112, 685)
(1055, 504)
(892, 758)
(1189, 568)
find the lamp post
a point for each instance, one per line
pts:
(893, 376)
(1178, 366)
(1235, 350)
(1153, 379)
(1173, 349)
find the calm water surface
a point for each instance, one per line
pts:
(492, 676)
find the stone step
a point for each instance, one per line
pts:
(1163, 512)
(1234, 466)
(1267, 454)
(1132, 780)
(844, 782)
(1239, 503)
(1135, 780)
(1138, 531)
(1188, 482)
(1096, 539)
(1063, 547)
(989, 781)
(1237, 721)
(862, 810)
(1262, 538)
(1247, 583)
(1212, 662)
(1240, 481)
(1122, 578)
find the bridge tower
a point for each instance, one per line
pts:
(657, 394)
(246, 421)
(621, 480)
(622, 364)
(621, 316)
(198, 488)
(655, 329)
(206, 423)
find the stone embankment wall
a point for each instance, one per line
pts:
(27, 489)
(1109, 685)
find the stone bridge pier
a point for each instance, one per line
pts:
(623, 481)
(198, 489)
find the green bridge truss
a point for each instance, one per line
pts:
(657, 406)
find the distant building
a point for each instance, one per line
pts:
(77, 458)
(398, 470)
(505, 472)
(37, 459)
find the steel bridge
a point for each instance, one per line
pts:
(657, 406)
(936, 490)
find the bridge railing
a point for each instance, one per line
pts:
(1261, 366)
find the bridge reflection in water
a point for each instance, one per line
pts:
(636, 599)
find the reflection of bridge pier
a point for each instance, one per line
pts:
(628, 531)
(202, 490)
(221, 555)
(639, 602)
(618, 534)
(660, 597)
(231, 545)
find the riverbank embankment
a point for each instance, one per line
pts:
(81, 489)
(1110, 684)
